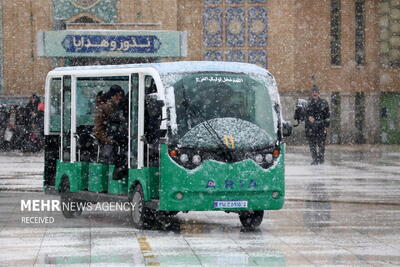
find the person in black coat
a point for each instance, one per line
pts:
(316, 125)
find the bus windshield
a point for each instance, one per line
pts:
(213, 106)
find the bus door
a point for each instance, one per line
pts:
(145, 120)
(149, 121)
(89, 93)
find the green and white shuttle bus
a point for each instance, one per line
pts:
(202, 136)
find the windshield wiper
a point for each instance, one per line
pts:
(191, 111)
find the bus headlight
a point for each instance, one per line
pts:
(268, 158)
(258, 158)
(184, 158)
(196, 159)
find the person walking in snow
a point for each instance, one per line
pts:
(316, 125)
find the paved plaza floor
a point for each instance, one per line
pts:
(345, 212)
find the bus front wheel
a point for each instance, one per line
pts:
(251, 219)
(141, 216)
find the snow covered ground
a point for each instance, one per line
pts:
(21, 171)
(351, 173)
(346, 212)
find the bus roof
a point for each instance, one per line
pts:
(177, 67)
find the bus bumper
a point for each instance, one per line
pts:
(221, 186)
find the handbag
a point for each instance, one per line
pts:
(8, 134)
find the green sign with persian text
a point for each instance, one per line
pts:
(102, 43)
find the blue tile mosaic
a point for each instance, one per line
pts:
(213, 55)
(257, 30)
(212, 32)
(234, 1)
(104, 10)
(258, 57)
(212, 1)
(235, 26)
(235, 55)
(257, 1)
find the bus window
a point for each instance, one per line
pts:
(87, 88)
(55, 110)
(228, 99)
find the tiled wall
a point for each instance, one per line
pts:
(235, 30)
(103, 10)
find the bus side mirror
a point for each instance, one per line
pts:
(287, 128)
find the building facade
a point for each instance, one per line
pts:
(350, 49)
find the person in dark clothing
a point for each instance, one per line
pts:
(119, 132)
(3, 123)
(103, 128)
(31, 110)
(31, 125)
(111, 129)
(22, 128)
(316, 125)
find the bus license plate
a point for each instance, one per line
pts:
(230, 204)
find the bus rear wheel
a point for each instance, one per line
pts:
(69, 207)
(251, 219)
(141, 216)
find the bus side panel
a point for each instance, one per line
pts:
(77, 173)
(148, 178)
(116, 187)
(98, 177)
(215, 181)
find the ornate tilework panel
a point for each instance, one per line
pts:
(212, 1)
(258, 57)
(235, 30)
(235, 26)
(257, 26)
(257, 1)
(213, 55)
(212, 31)
(106, 10)
(234, 1)
(235, 56)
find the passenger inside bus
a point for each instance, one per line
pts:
(110, 129)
